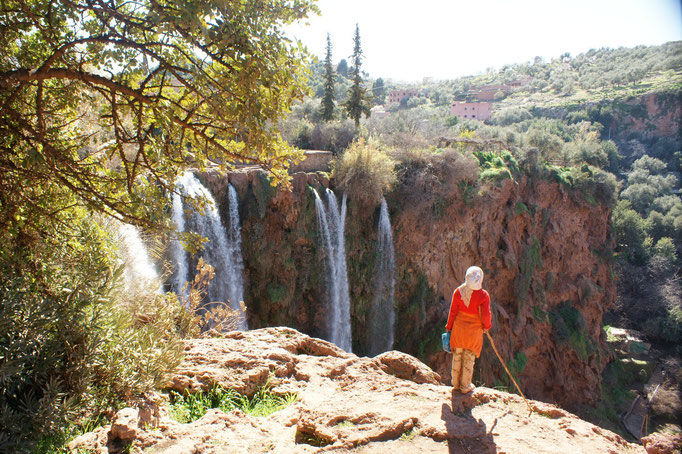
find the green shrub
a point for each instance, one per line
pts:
(496, 174)
(668, 327)
(510, 116)
(631, 232)
(365, 172)
(520, 208)
(70, 341)
(596, 185)
(276, 292)
(569, 327)
(665, 247)
(497, 166)
(530, 261)
(517, 364)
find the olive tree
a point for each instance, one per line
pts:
(104, 102)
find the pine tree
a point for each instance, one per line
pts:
(379, 91)
(329, 76)
(358, 100)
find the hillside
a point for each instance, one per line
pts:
(344, 403)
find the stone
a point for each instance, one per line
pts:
(663, 443)
(345, 403)
(124, 426)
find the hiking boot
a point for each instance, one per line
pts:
(468, 389)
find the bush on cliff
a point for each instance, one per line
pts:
(497, 166)
(429, 177)
(365, 172)
(72, 340)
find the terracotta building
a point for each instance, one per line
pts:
(476, 110)
(399, 95)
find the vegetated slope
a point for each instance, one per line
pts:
(391, 403)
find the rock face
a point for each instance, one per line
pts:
(391, 403)
(546, 255)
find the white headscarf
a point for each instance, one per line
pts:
(473, 281)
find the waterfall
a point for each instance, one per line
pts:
(223, 249)
(177, 251)
(235, 272)
(331, 223)
(382, 314)
(139, 272)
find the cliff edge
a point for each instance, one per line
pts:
(389, 403)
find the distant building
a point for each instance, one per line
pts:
(476, 110)
(399, 95)
(487, 92)
(486, 95)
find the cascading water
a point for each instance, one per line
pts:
(222, 251)
(382, 314)
(331, 223)
(139, 272)
(235, 272)
(177, 252)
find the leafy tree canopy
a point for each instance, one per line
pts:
(104, 103)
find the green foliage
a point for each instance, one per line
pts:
(531, 260)
(595, 185)
(467, 191)
(520, 208)
(516, 365)
(615, 398)
(539, 314)
(329, 76)
(57, 442)
(71, 338)
(276, 292)
(591, 184)
(186, 91)
(379, 91)
(667, 327)
(187, 408)
(665, 247)
(647, 183)
(409, 435)
(365, 172)
(452, 120)
(510, 116)
(496, 166)
(358, 99)
(569, 327)
(631, 232)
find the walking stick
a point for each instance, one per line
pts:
(509, 373)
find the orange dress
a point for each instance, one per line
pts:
(466, 324)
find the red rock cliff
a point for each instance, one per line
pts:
(545, 253)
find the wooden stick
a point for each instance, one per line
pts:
(509, 373)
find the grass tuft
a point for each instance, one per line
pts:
(186, 408)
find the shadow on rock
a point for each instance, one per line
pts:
(465, 434)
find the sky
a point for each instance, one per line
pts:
(445, 39)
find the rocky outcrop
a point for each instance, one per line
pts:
(345, 403)
(545, 250)
(660, 443)
(653, 114)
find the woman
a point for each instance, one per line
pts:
(469, 318)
